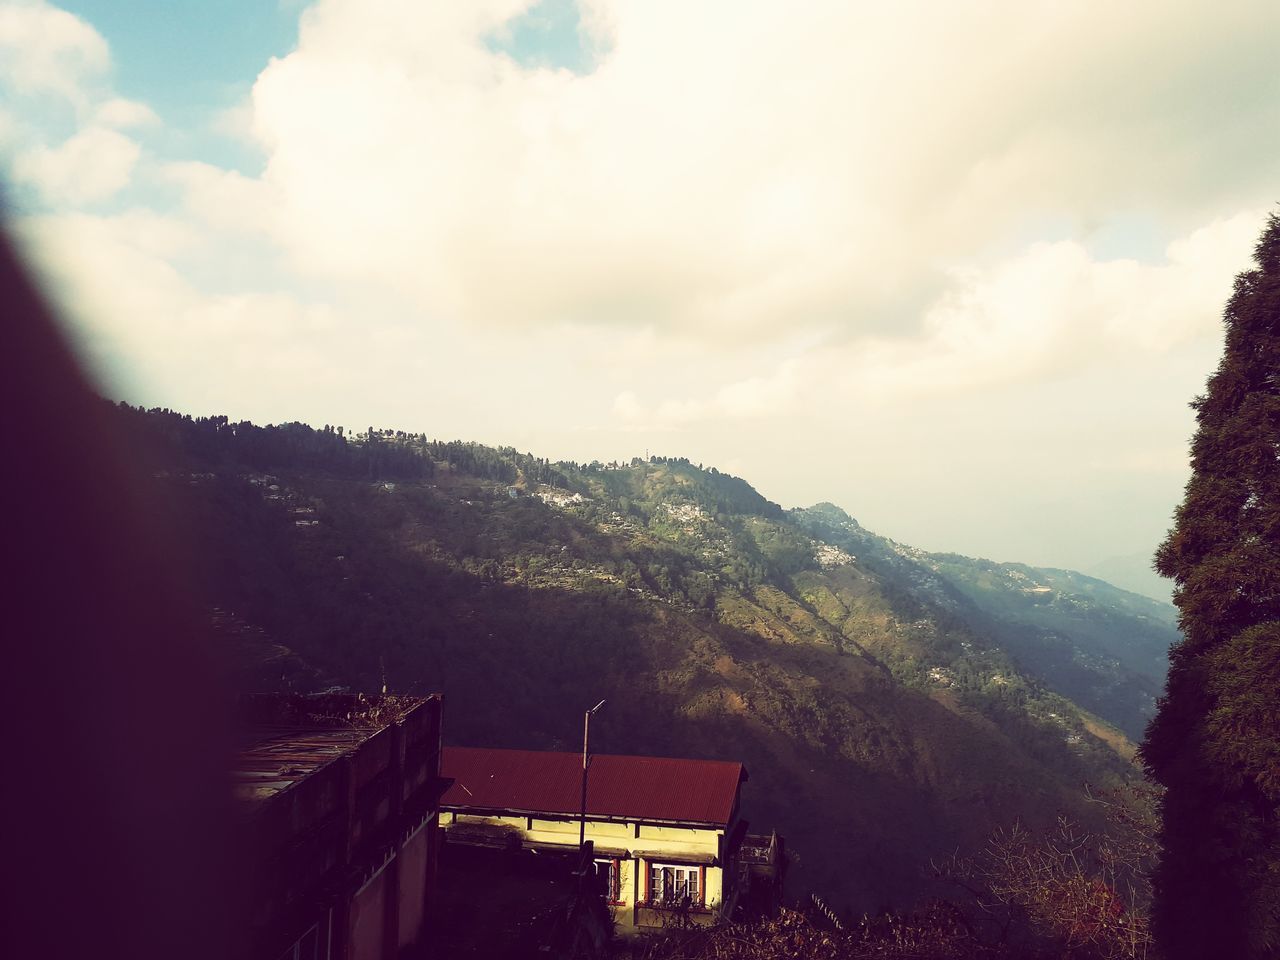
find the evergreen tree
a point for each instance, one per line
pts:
(1215, 740)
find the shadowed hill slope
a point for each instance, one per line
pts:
(874, 701)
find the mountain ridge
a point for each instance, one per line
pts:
(715, 622)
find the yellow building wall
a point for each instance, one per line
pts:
(715, 886)
(649, 842)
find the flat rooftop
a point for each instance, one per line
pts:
(283, 739)
(279, 757)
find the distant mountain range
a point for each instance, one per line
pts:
(1103, 647)
(891, 705)
(1134, 572)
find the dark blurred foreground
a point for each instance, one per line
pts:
(116, 817)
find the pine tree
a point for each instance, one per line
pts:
(1215, 740)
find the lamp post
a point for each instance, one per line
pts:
(582, 819)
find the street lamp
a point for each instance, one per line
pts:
(582, 819)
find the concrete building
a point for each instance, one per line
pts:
(667, 832)
(339, 796)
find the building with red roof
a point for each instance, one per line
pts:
(667, 833)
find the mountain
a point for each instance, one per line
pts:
(1134, 572)
(1102, 647)
(890, 705)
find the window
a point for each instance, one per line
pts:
(607, 877)
(307, 948)
(673, 886)
(312, 945)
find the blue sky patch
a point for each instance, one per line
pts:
(189, 62)
(548, 34)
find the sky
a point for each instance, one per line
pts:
(958, 268)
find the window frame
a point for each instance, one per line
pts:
(613, 878)
(689, 877)
(318, 934)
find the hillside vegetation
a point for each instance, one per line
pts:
(890, 705)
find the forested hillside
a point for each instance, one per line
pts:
(890, 705)
(1102, 647)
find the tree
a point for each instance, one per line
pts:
(1080, 893)
(1215, 740)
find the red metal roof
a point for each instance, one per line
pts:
(636, 788)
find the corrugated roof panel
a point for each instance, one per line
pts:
(638, 788)
(272, 759)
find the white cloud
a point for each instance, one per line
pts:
(113, 275)
(120, 113)
(8, 130)
(235, 122)
(91, 166)
(1051, 310)
(47, 50)
(225, 200)
(795, 239)
(122, 279)
(1054, 309)
(54, 68)
(729, 169)
(1166, 306)
(627, 406)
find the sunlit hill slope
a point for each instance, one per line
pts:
(890, 705)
